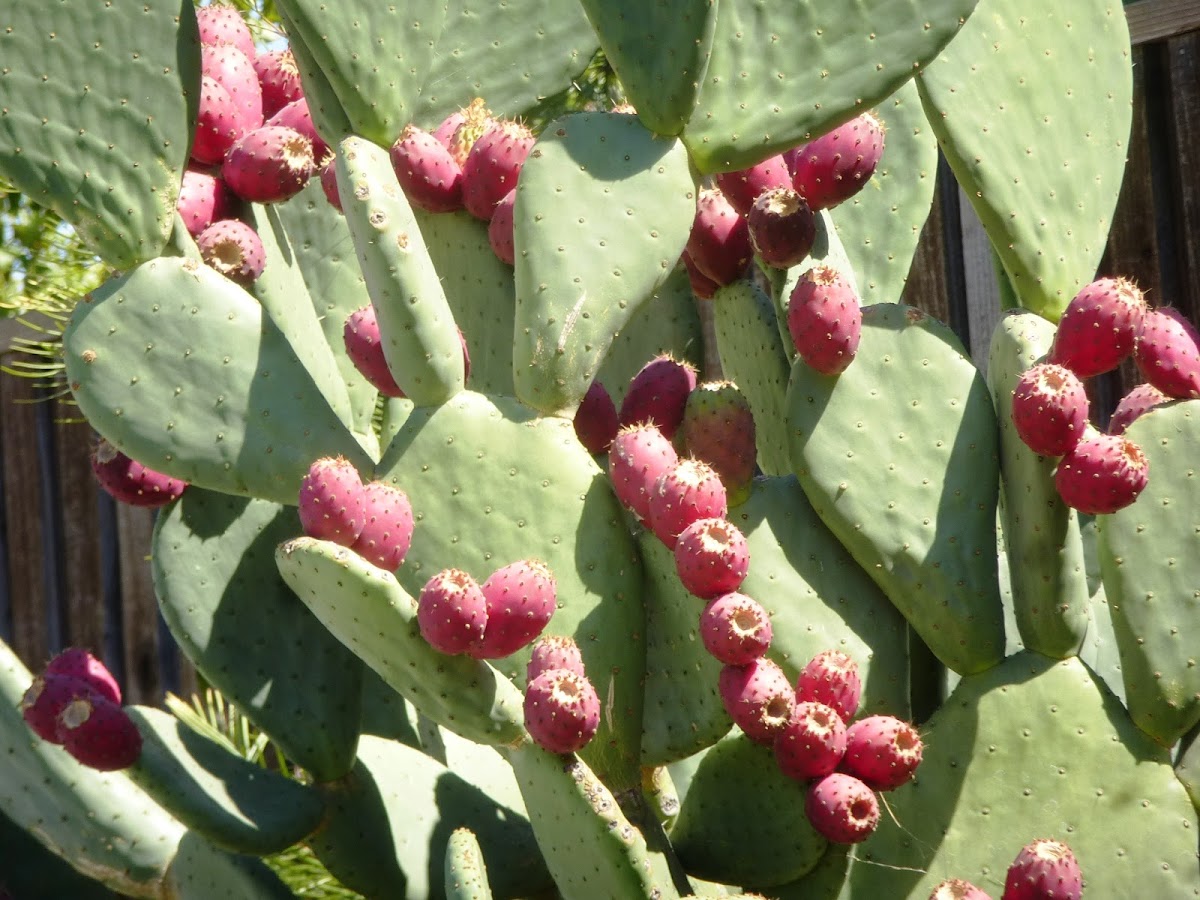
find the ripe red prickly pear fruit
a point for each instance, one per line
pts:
(842, 809)
(831, 677)
(718, 427)
(658, 393)
(812, 743)
(1104, 473)
(444, 133)
(387, 526)
(493, 166)
(735, 629)
(782, 227)
(234, 71)
(743, 187)
(500, 229)
(46, 698)
(882, 751)
(553, 652)
(711, 558)
(128, 481)
(452, 612)
(1044, 870)
(638, 455)
(296, 116)
(957, 889)
(1139, 400)
(269, 164)
(562, 711)
(719, 242)
(78, 663)
(1167, 353)
(596, 420)
(758, 697)
(1098, 328)
(702, 286)
(430, 177)
(234, 249)
(203, 199)
(218, 123)
(278, 78)
(1049, 409)
(364, 347)
(836, 166)
(331, 501)
(459, 131)
(224, 25)
(521, 599)
(99, 734)
(329, 183)
(687, 492)
(825, 320)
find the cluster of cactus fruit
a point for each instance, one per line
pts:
(535, 609)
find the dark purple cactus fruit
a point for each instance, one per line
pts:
(687, 492)
(842, 809)
(452, 612)
(329, 183)
(46, 698)
(957, 889)
(1167, 353)
(562, 711)
(234, 71)
(297, 117)
(758, 697)
(882, 751)
(719, 242)
(702, 286)
(1050, 409)
(1098, 328)
(218, 123)
(331, 501)
(224, 25)
(1138, 401)
(735, 629)
(128, 481)
(553, 652)
(831, 677)
(278, 78)
(78, 663)
(718, 428)
(493, 166)
(269, 164)
(500, 229)
(430, 177)
(812, 743)
(596, 420)
(387, 528)
(99, 734)
(203, 199)
(711, 558)
(365, 349)
(638, 455)
(658, 394)
(233, 249)
(1103, 474)
(836, 166)
(521, 599)
(743, 187)
(1044, 870)
(782, 228)
(459, 131)
(825, 320)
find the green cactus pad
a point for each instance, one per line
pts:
(213, 559)
(929, 541)
(41, 873)
(1187, 766)
(603, 211)
(465, 871)
(1034, 748)
(324, 106)
(777, 81)
(179, 368)
(202, 871)
(1032, 106)
(97, 121)
(1149, 562)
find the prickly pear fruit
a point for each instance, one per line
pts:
(758, 697)
(719, 243)
(46, 698)
(387, 526)
(837, 165)
(279, 79)
(1044, 870)
(782, 227)
(1104, 473)
(825, 320)
(331, 501)
(831, 677)
(234, 249)
(957, 889)
(452, 612)
(219, 123)
(78, 663)
(1050, 409)
(1167, 353)
(553, 652)
(99, 734)
(128, 481)
(812, 743)
(493, 166)
(1138, 401)
(224, 25)
(842, 809)
(459, 131)
(269, 164)
(444, 133)
(329, 183)
(711, 558)
(521, 599)
(1099, 326)
(687, 492)
(296, 116)
(658, 393)
(365, 349)
(233, 70)
(743, 187)
(735, 629)
(596, 419)
(500, 229)
(702, 286)
(203, 199)
(882, 751)
(638, 455)
(562, 710)
(718, 428)
(430, 177)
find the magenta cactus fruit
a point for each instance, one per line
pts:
(331, 501)
(452, 612)
(444, 133)
(521, 599)
(329, 183)
(219, 123)
(831, 677)
(459, 131)
(553, 652)
(957, 889)
(718, 428)
(99, 734)
(1044, 870)
(836, 166)
(1103, 474)
(824, 319)
(782, 227)
(296, 116)
(658, 393)
(1098, 328)
(431, 178)
(233, 70)
(743, 187)
(78, 663)
(203, 199)
(1049, 409)
(1167, 353)
(735, 629)
(493, 166)
(758, 697)
(719, 243)
(128, 481)
(562, 710)
(365, 349)
(387, 526)
(500, 229)
(882, 751)
(687, 492)
(842, 809)
(224, 25)
(1138, 401)
(595, 420)
(278, 78)
(46, 697)
(638, 455)
(711, 558)
(702, 286)
(269, 164)
(234, 249)
(812, 743)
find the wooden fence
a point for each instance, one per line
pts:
(74, 566)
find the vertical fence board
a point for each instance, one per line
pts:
(140, 627)
(1184, 72)
(926, 286)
